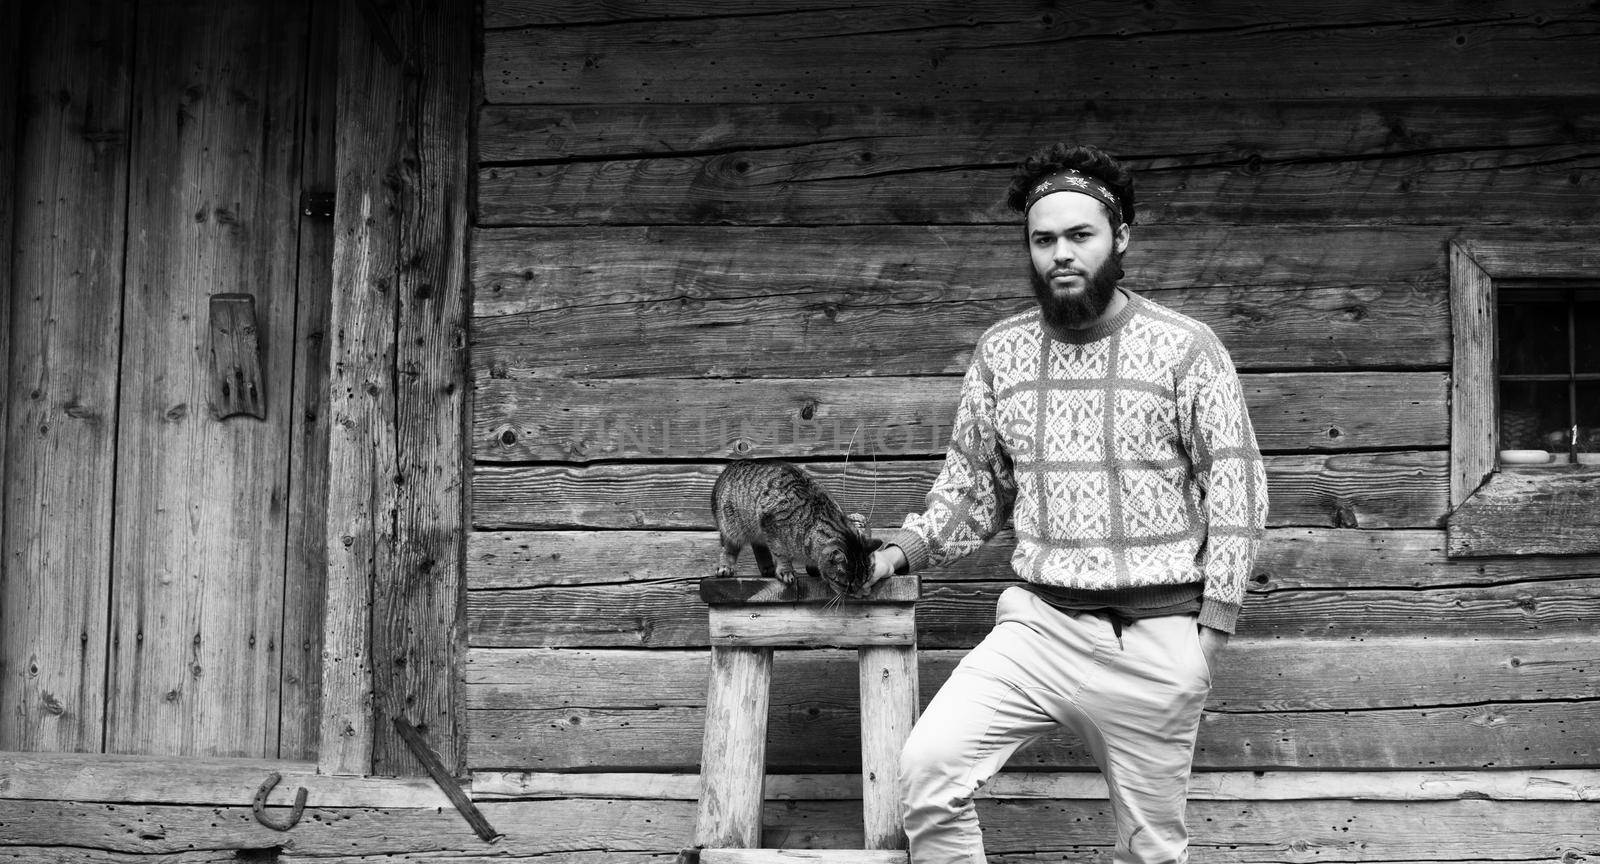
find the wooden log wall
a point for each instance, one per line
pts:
(704, 235)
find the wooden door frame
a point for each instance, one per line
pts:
(397, 503)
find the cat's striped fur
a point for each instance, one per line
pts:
(785, 518)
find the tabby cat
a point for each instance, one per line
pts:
(780, 512)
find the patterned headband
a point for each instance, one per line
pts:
(1069, 180)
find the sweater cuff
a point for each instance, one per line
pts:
(1218, 615)
(912, 546)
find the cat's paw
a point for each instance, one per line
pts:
(724, 571)
(786, 575)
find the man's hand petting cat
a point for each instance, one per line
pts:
(886, 561)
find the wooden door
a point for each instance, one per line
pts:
(192, 608)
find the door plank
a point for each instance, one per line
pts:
(201, 504)
(66, 323)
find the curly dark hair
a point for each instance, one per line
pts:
(1087, 158)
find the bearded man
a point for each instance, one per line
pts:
(1113, 433)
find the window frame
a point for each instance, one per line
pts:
(1477, 270)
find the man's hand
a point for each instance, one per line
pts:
(886, 561)
(1211, 644)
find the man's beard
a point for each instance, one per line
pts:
(1076, 311)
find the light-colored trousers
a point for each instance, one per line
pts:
(1135, 700)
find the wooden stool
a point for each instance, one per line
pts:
(750, 617)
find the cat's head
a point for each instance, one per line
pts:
(847, 564)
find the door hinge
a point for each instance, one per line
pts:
(317, 203)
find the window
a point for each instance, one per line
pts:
(1548, 349)
(1525, 319)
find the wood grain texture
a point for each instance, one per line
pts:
(1402, 489)
(734, 747)
(889, 704)
(811, 188)
(305, 578)
(1547, 512)
(826, 336)
(1260, 674)
(199, 781)
(584, 420)
(1474, 402)
(61, 394)
(812, 625)
(1156, 134)
(1290, 558)
(1573, 784)
(236, 383)
(1096, 50)
(593, 831)
(198, 600)
(827, 738)
(870, 855)
(398, 386)
(529, 270)
(957, 615)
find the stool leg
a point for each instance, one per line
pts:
(733, 763)
(888, 708)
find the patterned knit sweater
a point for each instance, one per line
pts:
(1123, 453)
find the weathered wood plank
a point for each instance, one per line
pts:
(398, 388)
(832, 335)
(1475, 424)
(592, 831)
(11, 74)
(827, 738)
(843, 625)
(1554, 184)
(1156, 134)
(1534, 785)
(800, 856)
(1290, 558)
(527, 270)
(305, 579)
(199, 552)
(1534, 512)
(1260, 673)
(199, 781)
(957, 614)
(66, 255)
(738, 591)
(833, 184)
(582, 420)
(1402, 489)
(735, 747)
(889, 701)
(992, 53)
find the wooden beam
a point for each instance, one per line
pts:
(1190, 56)
(1474, 402)
(1571, 784)
(734, 747)
(1291, 558)
(813, 626)
(103, 777)
(66, 323)
(956, 135)
(1400, 489)
(801, 856)
(1530, 512)
(398, 385)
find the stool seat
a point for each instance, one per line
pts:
(749, 618)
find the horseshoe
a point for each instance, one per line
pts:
(259, 806)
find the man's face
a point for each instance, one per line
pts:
(1076, 255)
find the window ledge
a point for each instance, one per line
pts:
(1551, 510)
